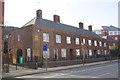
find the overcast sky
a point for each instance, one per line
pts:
(91, 12)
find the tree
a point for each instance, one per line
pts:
(114, 51)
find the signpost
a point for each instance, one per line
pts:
(45, 46)
(83, 51)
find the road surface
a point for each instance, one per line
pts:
(108, 70)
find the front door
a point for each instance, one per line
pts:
(55, 54)
(19, 54)
(71, 54)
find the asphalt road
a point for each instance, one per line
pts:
(108, 70)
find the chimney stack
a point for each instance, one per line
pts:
(56, 18)
(39, 14)
(90, 27)
(81, 25)
(105, 32)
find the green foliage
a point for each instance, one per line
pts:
(5, 46)
(114, 51)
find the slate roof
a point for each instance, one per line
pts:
(60, 26)
(111, 28)
(108, 37)
(8, 29)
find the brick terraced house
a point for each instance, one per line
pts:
(65, 42)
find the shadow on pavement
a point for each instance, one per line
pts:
(60, 79)
(12, 79)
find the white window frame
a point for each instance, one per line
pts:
(90, 52)
(110, 33)
(18, 36)
(95, 43)
(63, 52)
(28, 54)
(99, 52)
(100, 42)
(77, 41)
(89, 42)
(115, 33)
(68, 40)
(77, 52)
(6, 36)
(105, 44)
(58, 38)
(46, 37)
(105, 52)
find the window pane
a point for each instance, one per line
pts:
(77, 41)
(95, 43)
(100, 43)
(98, 51)
(90, 52)
(28, 54)
(105, 52)
(77, 52)
(6, 36)
(63, 52)
(89, 42)
(58, 38)
(104, 44)
(46, 37)
(18, 37)
(68, 40)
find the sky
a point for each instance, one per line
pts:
(91, 12)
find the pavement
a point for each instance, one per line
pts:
(25, 72)
(109, 70)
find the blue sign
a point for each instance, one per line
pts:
(45, 46)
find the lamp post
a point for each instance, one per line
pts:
(1, 64)
(83, 51)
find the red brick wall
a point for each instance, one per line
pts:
(32, 38)
(24, 43)
(1, 12)
(52, 44)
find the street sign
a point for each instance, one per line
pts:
(45, 46)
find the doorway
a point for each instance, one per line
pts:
(19, 54)
(71, 54)
(55, 54)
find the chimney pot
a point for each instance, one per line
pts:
(90, 27)
(81, 25)
(39, 14)
(56, 18)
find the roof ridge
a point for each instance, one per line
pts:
(29, 22)
(60, 26)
